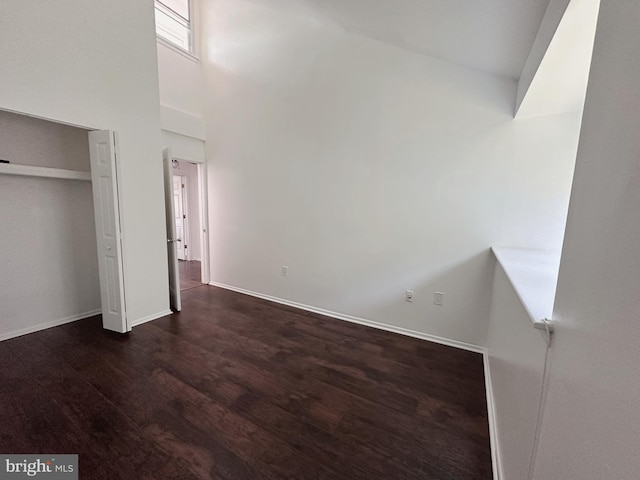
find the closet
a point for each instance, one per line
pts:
(48, 254)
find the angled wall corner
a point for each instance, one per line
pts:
(592, 407)
(554, 79)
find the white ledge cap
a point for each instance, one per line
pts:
(534, 276)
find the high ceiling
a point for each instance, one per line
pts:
(490, 35)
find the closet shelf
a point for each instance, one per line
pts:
(32, 171)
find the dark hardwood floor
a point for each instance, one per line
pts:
(236, 387)
(190, 274)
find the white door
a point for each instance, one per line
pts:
(174, 272)
(104, 177)
(180, 216)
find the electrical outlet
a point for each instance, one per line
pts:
(285, 271)
(438, 298)
(408, 296)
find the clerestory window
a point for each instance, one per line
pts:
(173, 23)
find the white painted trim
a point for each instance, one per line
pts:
(362, 321)
(179, 50)
(496, 462)
(203, 200)
(192, 54)
(51, 324)
(149, 318)
(185, 157)
(46, 172)
(183, 123)
(50, 119)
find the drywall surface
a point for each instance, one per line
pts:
(180, 81)
(534, 276)
(592, 414)
(31, 141)
(179, 122)
(94, 64)
(181, 88)
(548, 27)
(49, 260)
(516, 355)
(368, 170)
(560, 81)
(181, 93)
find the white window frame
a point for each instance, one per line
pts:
(188, 24)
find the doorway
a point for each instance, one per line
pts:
(189, 199)
(189, 255)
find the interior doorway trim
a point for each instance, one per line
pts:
(203, 210)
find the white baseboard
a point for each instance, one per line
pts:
(149, 318)
(362, 321)
(493, 427)
(51, 324)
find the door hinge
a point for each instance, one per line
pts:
(184, 216)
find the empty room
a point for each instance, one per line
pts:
(319, 239)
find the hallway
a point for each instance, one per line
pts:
(190, 274)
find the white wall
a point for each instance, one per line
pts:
(49, 259)
(368, 170)
(592, 414)
(560, 81)
(94, 64)
(181, 86)
(546, 32)
(516, 357)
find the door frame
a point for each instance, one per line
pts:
(175, 295)
(203, 208)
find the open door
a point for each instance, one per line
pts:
(104, 177)
(174, 272)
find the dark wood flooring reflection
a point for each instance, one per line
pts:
(235, 387)
(190, 274)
